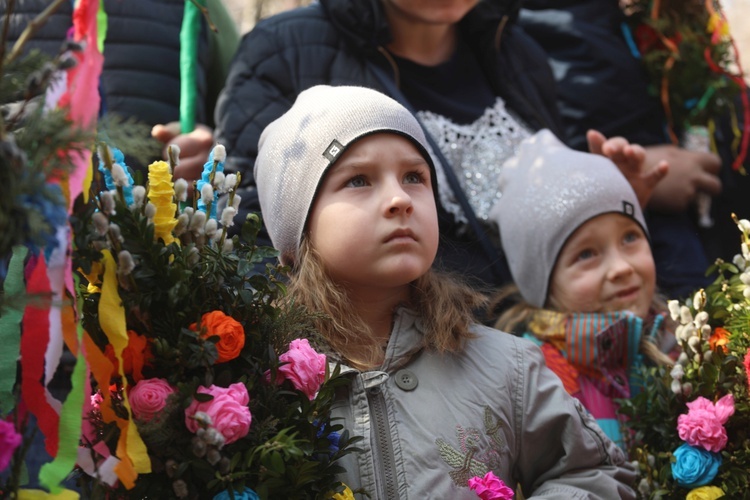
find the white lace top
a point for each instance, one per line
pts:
(477, 152)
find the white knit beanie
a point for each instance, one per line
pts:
(549, 191)
(296, 150)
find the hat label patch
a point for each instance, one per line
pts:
(333, 150)
(628, 208)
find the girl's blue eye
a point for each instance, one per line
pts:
(356, 182)
(585, 254)
(631, 236)
(414, 178)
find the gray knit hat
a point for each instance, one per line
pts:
(295, 151)
(549, 191)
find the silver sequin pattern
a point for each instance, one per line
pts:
(477, 152)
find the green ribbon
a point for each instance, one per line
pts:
(189, 36)
(10, 327)
(71, 418)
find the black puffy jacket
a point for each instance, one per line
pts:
(331, 43)
(141, 72)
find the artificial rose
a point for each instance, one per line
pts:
(746, 362)
(490, 487)
(228, 411)
(9, 441)
(694, 467)
(304, 367)
(719, 339)
(149, 397)
(246, 494)
(705, 493)
(347, 494)
(230, 332)
(703, 425)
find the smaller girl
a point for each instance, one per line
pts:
(347, 190)
(577, 247)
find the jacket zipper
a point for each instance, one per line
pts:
(385, 460)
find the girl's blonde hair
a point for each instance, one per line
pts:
(445, 304)
(515, 318)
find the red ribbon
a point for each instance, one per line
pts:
(34, 340)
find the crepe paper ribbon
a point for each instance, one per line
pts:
(53, 473)
(10, 328)
(130, 447)
(34, 342)
(43, 495)
(87, 460)
(745, 133)
(189, 36)
(102, 23)
(102, 369)
(82, 96)
(56, 261)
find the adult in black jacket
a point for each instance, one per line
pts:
(601, 85)
(477, 82)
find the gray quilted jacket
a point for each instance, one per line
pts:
(431, 422)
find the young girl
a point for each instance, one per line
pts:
(347, 191)
(578, 250)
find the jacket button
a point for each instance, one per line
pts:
(406, 380)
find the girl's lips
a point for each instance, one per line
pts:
(627, 293)
(400, 234)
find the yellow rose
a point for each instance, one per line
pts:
(344, 495)
(161, 194)
(705, 493)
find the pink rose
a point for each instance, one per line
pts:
(304, 367)
(703, 425)
(149, 397)
(228, 411)
(746, 362)
(490, 487)
(9, 441)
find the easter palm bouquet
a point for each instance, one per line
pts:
(693, 66)
(202, 387)
(690, 426)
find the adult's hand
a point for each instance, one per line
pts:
(690, 173)
(632, 161)
(194, 147)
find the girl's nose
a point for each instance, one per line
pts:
(399, 202)
(620, 266)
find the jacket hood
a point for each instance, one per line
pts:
(364, 25)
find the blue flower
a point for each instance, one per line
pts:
(333, 438)
(118, 157)
(246, 494)
(694, 466)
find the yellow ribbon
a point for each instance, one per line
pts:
(130, 448)
(43, 495)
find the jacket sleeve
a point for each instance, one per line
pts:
(561, 451)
